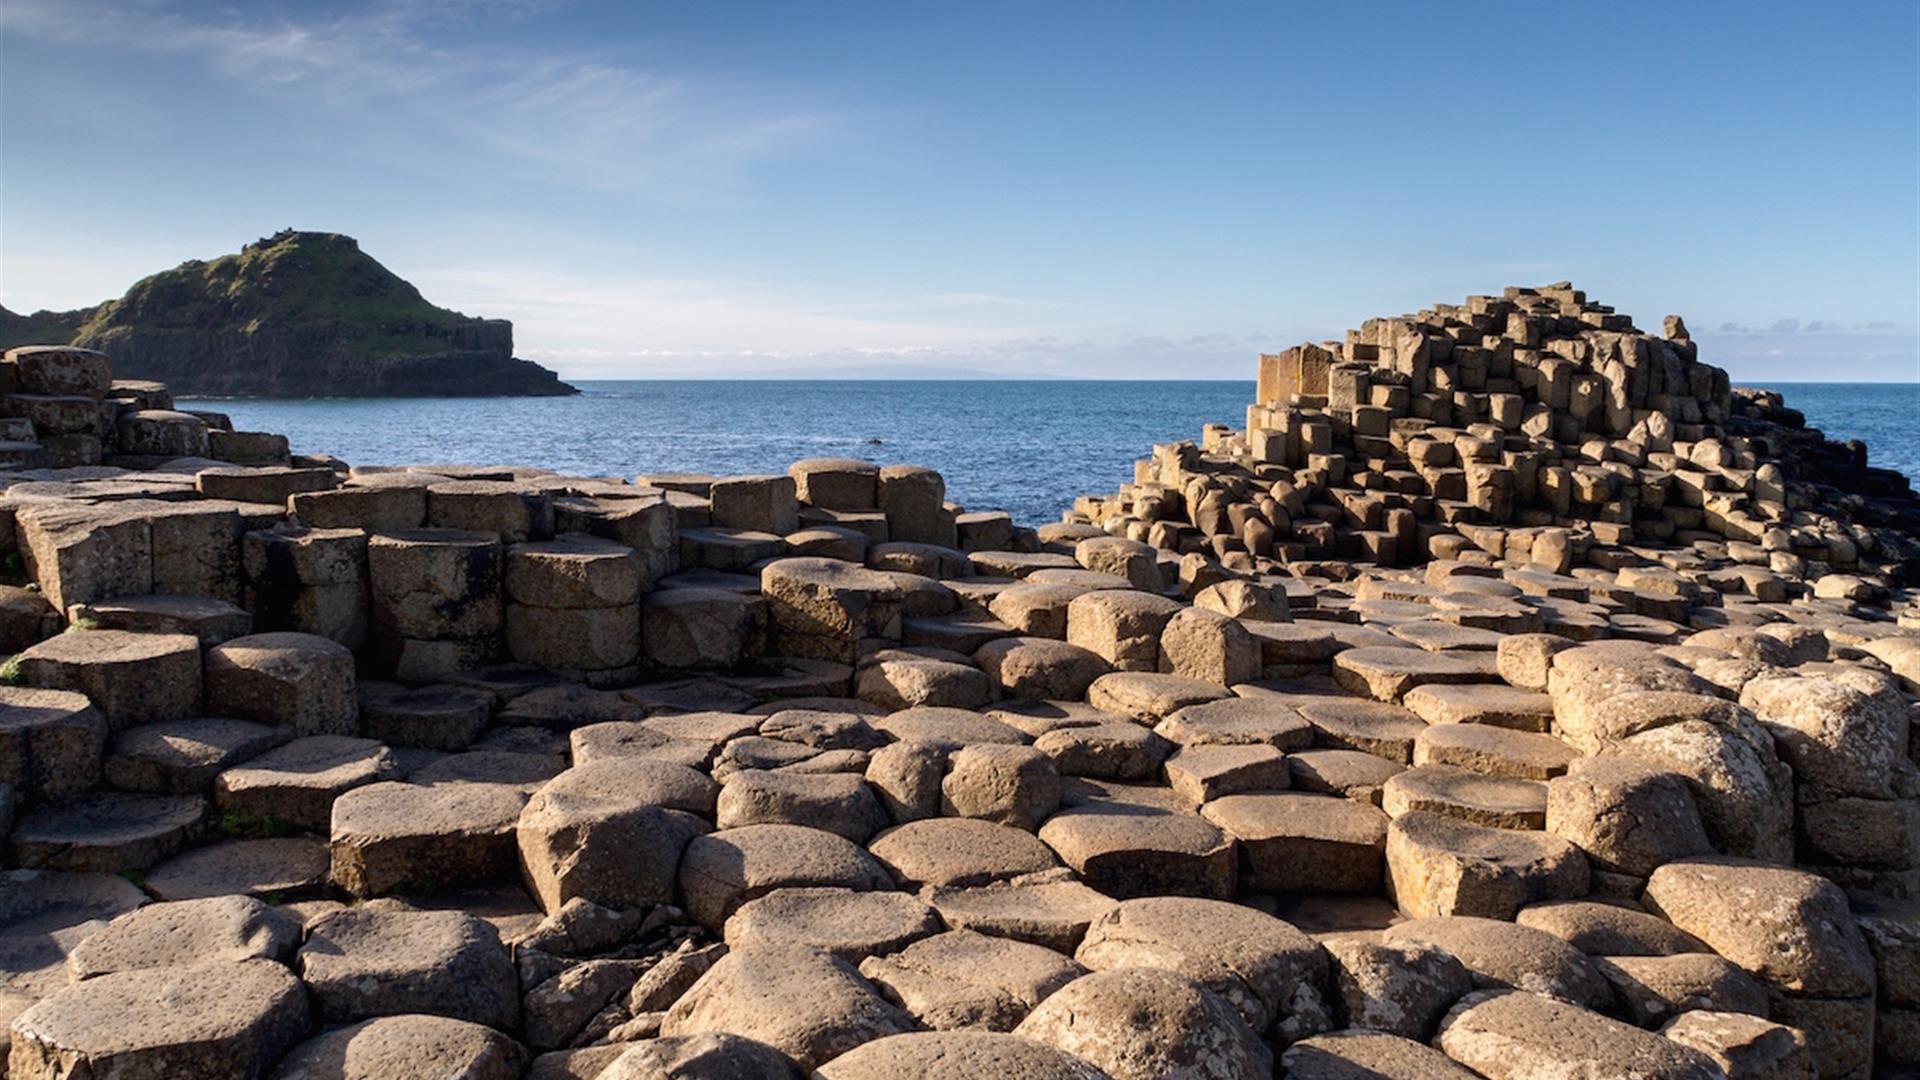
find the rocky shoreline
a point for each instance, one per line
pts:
(1509, 697)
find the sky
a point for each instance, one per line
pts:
(1057, 189)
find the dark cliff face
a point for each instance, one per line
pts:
(302, 315)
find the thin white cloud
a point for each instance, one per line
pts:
(583, 121)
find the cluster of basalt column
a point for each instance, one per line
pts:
(1510, 698)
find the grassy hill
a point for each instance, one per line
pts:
(298, 314)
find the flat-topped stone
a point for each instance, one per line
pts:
(131, 678)
(1495, 801)
(1387, 674)
(1505, 1035)
(721, 870)
(955, 851)
(50, 742)
(1481, 703)
(1441, 864)
(961, 980)
(1500, 955)
(1127, 850)
(799, 1000)
(1048, 909)
(107, 831)
(390, 837)
(1265, 968)
(1238, 721)
(365, 962)
(1296, 841)
(220, 929)
(216, 1021)
(1148, 697)
(1373, 727)
(956, 1055)
(275, 868)
(848, 924)
(183, 756)
(301, 681)
(413, 1047)
(296, 783)
(1494, 751)
(210, 620)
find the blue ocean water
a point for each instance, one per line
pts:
(1026, 447)
(1885, 416)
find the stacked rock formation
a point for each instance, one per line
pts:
(1315, 752)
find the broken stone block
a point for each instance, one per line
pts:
(1440, 865)
(756, 503)
(1122, 558)
(509, 511)
(722, 870)
(914, 501)
(964, 981)
(1121, 750)
(1653, 989)
(1791, 928)
(1268, 970)
(1039, 668)
(611, 832)
(701, 629)
(799, 1000)
(1004, 784)
(1401, 989)
(909, 681)
(1628, 817)
(1148, 697)
(61, 369)
(1199, 644)
(836, 483)
(301, 681)
(1121, 626)
(366, 962)
(821, 608)
(132, 679)
(1743, 1045)
(837, 803)
(220, 1020)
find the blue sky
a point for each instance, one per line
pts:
(1067, 189)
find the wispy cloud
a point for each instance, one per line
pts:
(585, 121)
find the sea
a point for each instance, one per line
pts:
(1024, 446)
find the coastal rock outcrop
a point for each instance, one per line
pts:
(1510, 697)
